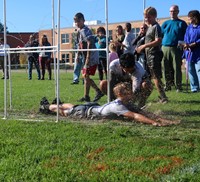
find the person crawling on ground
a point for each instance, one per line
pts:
(121, 106)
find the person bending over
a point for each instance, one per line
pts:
(119, 107)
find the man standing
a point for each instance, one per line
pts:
(173, 31)
(2, 54)
(33, 57)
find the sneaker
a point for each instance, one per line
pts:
(55, 101)
(163, 100)
(44, 109)
(44, 101)
(84, 99)
(98, 96)
(74, 83)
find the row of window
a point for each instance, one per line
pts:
(65, 38)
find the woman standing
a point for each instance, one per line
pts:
(192, 49)
(45, 58)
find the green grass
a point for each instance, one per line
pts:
(99, 150)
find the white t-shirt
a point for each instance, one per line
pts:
(114, 108)
(2, 47)
(136, 76)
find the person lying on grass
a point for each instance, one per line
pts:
(121, 106)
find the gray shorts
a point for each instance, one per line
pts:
(81, 111)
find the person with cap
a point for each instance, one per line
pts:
(45, 58)
(88, 60)
(33, 57)
(2, 55)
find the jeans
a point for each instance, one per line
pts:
(31, 61)
(77, 69)
(194, 75)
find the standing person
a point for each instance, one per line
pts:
(119, 39)
(2, 54)
(152, 46)
(138, 41)
(45, 58)
(127, 43)
(87, 41)
(192, 50)
(112, 54)
(101, 43)
(173, 31)
(33, 57)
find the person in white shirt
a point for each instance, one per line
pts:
(126, 69)
(117, 109)
(2, 55)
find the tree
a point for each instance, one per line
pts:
(2, 27)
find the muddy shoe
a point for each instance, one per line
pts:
(163, 100)
(84, 99)
(98, 96)
(44, 101)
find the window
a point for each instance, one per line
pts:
(64, 38)
(135, 31)
(65, 58)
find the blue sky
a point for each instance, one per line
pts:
(35, 15)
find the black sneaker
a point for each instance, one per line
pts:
(84, 99)
(44, 101)
(44, 108)
(55, 101)
(98, 96)
(74, 83)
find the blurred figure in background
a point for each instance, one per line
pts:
(2, 54)
(138, 41)
(33, 57)
(45, 58)
(119, 39)
(127, 43)
(101, 43)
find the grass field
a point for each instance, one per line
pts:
(35, 148)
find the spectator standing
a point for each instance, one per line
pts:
(2, 55)
(112, 52)
(173, 31)
(119, 39)
(138, 41)
(127, 43)
(152, 46)
(45, 58)
(101, 43)
(192, 50)
(33, 57)
(87, 41)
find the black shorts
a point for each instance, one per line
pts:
(80, 111)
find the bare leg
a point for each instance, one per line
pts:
(62, 108)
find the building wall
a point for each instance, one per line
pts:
(71, 30)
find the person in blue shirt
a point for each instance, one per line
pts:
(192, 50)
(173, 31)
(101, 43)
